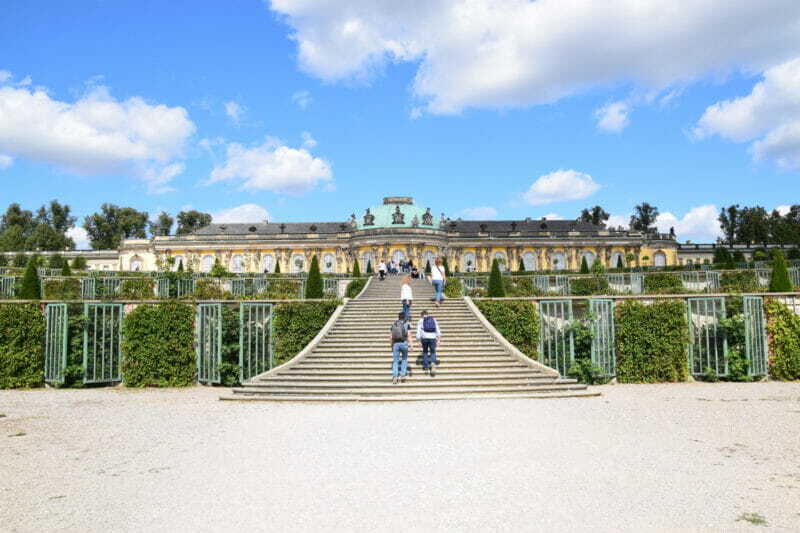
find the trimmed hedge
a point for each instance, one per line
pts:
(739, 281)
(22, 329)
(296, 324)
(158, 346)
(355, 287)
(661, 283)
(651, 342)
(453, 288)
(62, 289)
(784, 341)
(137, 289)
(589, 286)
(518, 286)
(517, 321)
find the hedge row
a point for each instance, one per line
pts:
(783, 327)
(517, 321)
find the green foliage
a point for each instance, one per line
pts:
(209, 289)
(589, 286)
(314, 281)
(783, 327)
(283, 289)
(446, 267)
(584, 266)
(779, 279)
(722, 257)
(521, 267)
(218, 271)
(663, 283)
(733, 327)
(31, 290)
(137, 289)
(496, 288)
(162, 225)
(453, 288)
(20, 260)
(76, 322)
(22, 330)
(428, 267)
(229, 369)
(517, 321)
(158, 346)
(108, 228)
(56, 261)
(193, 220)
(277, 267)
(296, 324)
(651, 342)
(517, 286)
(793, 254)
(369, 267)
(620, 265)
(356, 269)
(738, 281)
(65, 269)
(597, 267)
(79, 263)
(3, 260)
(62, 289)
(355, 287)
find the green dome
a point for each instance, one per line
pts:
(396, 212)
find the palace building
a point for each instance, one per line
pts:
(399, 230)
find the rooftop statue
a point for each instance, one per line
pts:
(427, 218)
(369, 218)
(398, 217)
(415, 221)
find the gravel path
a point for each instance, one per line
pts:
(655, 457)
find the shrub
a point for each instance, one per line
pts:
(453, 288)
(446, 266)
(356, 269)
(583, 369)
(514, 286)
(277, 267)
(56, 261)
(584, 265)
(738, 257)
(496, 288)
(296, 324)
(588, 286)
(793, 254)
(314, 281)
(137, 289)
(20, 260)
(597, 267)
(218, 271)
(62, 289)
(22, 330)
(662, 283)
(355, 287)
(722, 257)
(229, 369)
(651, 342)
(428, 267)
(3, 260)
(619, 264)
(369, 267)
(31, 290)
(779, 279)
(517, 321)
(282, 289)
(783, 327)
(760, 254)
(738, 281)
(158, 346)
(79, 263)
(65, 269)
(209, 289)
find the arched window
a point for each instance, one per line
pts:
(501, 260)
(237, 264)
(468, 262)
(178, 261)
(529, 260)
(589, 258)
(659, 259)
(136, 263)
(328, 262)
(298, 264)
(367, 258)
(207, 263)
(558, 261)
(398, 255)
(617, 260)
(268, 264)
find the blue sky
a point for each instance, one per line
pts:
(305, 111)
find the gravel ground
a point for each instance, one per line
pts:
(641, 457)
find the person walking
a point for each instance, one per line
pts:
(438, 278)
(401, 343)
(406, 297)
(382, 270)
(429, 336)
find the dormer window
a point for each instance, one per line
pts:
(313, 227)
(252, 229)
(543, 225)
(483, 227)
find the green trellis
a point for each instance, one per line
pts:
(706, 281)
(558, 284)
(755, 333)
(55, 343)
(7, 287)
(88, 288)
(625, 283)
(708, 346)
(101, 343)
(248, 286)
(603, 352)
(556, 343)
(255, 339)
(162, 288)
(185, 287)
(208, 337)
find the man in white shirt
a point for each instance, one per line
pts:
(406, 296)
(438, 278)
(429, 335)
(382, 270)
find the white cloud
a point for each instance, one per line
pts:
(479, 213)
(769, 117)
(242, 213)
(273, 166)
(80, 237)
(561, 186)
(511, 53)
(308, 140)
(4, 76)
(615, 221)
(553, 216)
(95, 135)
(699, 224)
(613, 117)
(303, 99)
(783, 209)
(235, 111)
(5, 161)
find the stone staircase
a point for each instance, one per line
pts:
(352, 360)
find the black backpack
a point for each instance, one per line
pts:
(399, 331)
(428, 324)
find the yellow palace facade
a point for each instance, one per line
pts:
(399, 230)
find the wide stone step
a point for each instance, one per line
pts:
(388, 388)
(358, 364)
(440, 372)
(445, 361)
(383, 344)
(386, 352)
(409, 397)
(421, 378)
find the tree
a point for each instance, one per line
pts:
(779, 279)
(314, 281)
(3, 260)
(189, 221)
(620, 265)
(446, 266)
(595, 215)
(218, 271)
(428, 266)
(793, 254)
(65, 270)
(180, 266)
(79, 263)
(729, 222)
(56, 261)
(738, 257)
(496, 288)
(277, 267)
(722, 257)
(108, 228)
(597, 266)
(369, 266)
(31, 289)
(20, 260)
(162, 226)
(644, 217)
(584, 265)
(753, 226)
(356, 269)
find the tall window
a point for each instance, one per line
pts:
(399, 255)
(659, 259)
(179, 260)
(529, 260)
(589, 258)
(268, 263)
(298, 264)
(617, 259)
(501, 261)
(136, 263)
(558, 261)
(468, 262)
(207, 263)
(366, 259)
(237, 264)
(328, 262)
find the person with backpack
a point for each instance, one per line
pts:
(402, 342)
(406, 297)
(429, 336)
(438, 278)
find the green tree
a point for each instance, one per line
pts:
(620, 265)
(162, 226)
(20, 260)
(3, 260)
(779, 279)
(31, 289)
(277, 267)
(729, 219)
(722, 257)
(56, 261)
(584, 265)
(521, 267)
(446, 266)
(793, 254)
(79, 263)
(595, 215)
(189, 221)
(369, 267)
(496, 288)
(356, 269)
(65, 269)
(428, 266)
(597, 266)
(644, 217)
(108, 228)
(218, 271)
(314, 281)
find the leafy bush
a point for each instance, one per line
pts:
(514, 286)
(369, 266)
(739, 281)
(65, 269)
(496, 288)
(779, 279)
(356, 270)
(661, 283)
(355, 287)
(651, 342)
(79, 263)
(137, 289)
(733, 327)
(209, 289)
(517, 321)
(583, 369)
(584, 266)
(314, 281)
(31, 289)
(3, 260)
(62, 289)
(20, 260)
(784, 341)
(22, 329)
(282, 289)
(56, 261)
(588, 286)
(229, 369)
(453, 288)
(296, 324)
(158, 346)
